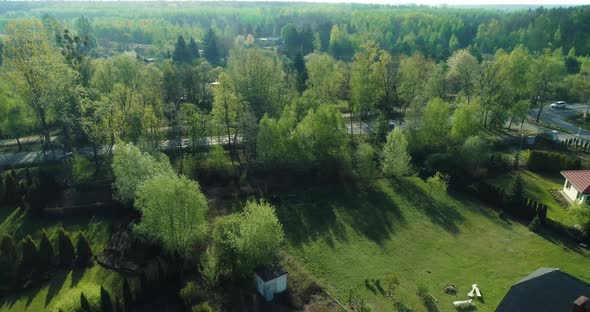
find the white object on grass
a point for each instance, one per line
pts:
(474, 291)
(464, 304)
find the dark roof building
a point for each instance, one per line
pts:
(546, 289)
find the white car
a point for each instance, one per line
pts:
(558, 104)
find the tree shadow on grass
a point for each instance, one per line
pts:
(55, 285)
(370, 211)
(322, 212)
(558, 239)
(77, 275)
(444, 215)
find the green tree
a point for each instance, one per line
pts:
(366, 85)
(395, 158)
(8, 260)
(131, 167)
(435, 123)
(257, 237)
(65, 249)
(210, 47)
(546, 71)
(437, 183)
(463, 72)
(391, 282)
(365, 160)
(324, 77)
(466, 122)
(181, 52)
(83, 251)
(43, 83)
(173, 212)
(474, 153)
(15, 117)
(45, 252)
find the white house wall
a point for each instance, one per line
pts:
(571, 192)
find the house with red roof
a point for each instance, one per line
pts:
(577, 185)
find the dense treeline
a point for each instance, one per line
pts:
(435, 32)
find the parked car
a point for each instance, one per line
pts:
(558, 104)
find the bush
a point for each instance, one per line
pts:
(191, 293)
(45, 252)
(83, 251)
(365, 161)
(66, 252)
(535, 224)
(203, 307)
(544, 161)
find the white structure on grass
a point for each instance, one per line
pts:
(577, 185)
(270, 280)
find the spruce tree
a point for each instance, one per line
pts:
(45, 252)
(301, 71)
(180, 51)
(30, 254)
(67, 255)
(8, 260)
(395, 157)
(210, 48)
(11, 193)
(193, 50)
(83, 251)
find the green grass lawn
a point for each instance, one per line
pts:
(63, 290)
(348, 234)
(536, 186)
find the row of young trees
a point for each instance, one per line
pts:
(29, 261)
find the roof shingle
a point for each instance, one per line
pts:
(580, 179)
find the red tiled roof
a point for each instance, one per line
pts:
(580, 179)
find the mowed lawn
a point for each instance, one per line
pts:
(536, 186)
(348, 234)
(62, 291)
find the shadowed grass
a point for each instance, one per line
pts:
(433, 241)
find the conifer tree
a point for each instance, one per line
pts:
(45, 252)
(66, 252)
(83, 251)
(106, 305)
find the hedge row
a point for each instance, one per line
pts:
(545, 161)
(524, 208)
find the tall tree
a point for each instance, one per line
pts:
(173, 212)
(181, 52)
(210, 47)
(41, 77)
(395, 157)
(366, 87)
(435, 123)
(544, 74)
(463, 71)
(193, 50)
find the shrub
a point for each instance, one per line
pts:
(422, 290)
(391, 282)
(83, 251)
(535, 224)
(191, 293)
(66, 252)
(551, 161)
(365, 161)
(106, 305)
(203, 307)
(210, 266)
(45, 252)
(29, 252)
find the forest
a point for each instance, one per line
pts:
(206, 124)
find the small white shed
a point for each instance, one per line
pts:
(270, 280)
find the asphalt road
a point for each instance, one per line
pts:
(557, 116)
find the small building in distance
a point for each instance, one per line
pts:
(270, 280)
(547, 289)
(577, 185)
